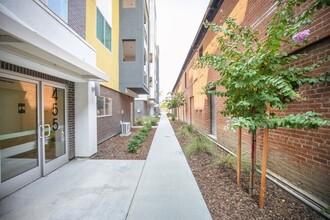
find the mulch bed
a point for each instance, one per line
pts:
(116, 148)
(226, 200)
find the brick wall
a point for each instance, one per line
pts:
(109, 126)
(77, 16)
(71, 98)
(299, 155)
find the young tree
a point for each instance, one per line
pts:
(255, 72)
(175, 100)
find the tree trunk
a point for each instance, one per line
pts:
(253, 162)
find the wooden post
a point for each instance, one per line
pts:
(253, 162)
(264, 165)
(239, 156)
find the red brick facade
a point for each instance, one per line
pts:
(298, 155)
(109, 126)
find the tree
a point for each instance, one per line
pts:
(255, 72)
(175, 100)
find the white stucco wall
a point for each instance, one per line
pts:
(44, 22)
(86, 124)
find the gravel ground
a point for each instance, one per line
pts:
(116, 148)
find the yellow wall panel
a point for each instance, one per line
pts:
(106, 60)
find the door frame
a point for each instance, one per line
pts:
(11, 185)
(61, 160)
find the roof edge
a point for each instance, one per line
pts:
(211, 11)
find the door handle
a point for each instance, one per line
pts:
(41, 131)
(47, 125)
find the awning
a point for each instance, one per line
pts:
(19, 42)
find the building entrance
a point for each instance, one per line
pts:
(33, 140)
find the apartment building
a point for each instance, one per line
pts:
(297, 157)
(68, 77)
(102, 32)
(139, 54)
(48, 76)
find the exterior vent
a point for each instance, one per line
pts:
(125, 129)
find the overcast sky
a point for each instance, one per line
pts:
(178, 22)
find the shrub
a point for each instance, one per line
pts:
(136, 141)
(140, 137)
(200, 144)
(171, 116)
(148, 126)
(230, 161)
(153, 121)
(133, 145)
(139, 121)
(185, 130)
(145, 120)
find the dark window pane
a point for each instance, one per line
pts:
(100, 26)
(107, 36)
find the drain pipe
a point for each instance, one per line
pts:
(305, 199)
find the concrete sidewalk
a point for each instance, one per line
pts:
(82, 189)
(162, 187)
(167, 188)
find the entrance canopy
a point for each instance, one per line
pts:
(21, 44)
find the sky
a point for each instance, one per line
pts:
(177, 25)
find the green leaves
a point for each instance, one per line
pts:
(175, 100)
(254, 73)
(137, 140)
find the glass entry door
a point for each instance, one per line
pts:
(54, 128)
(19, 143)
(32, 130)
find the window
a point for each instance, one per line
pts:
(104, 106)
(129, 47)
(200, 52)
(129, 3)
(59, 7)
(103, 30)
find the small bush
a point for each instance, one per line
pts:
(139, 121)
(200, 144)
(153, 121)
(185, 130)
(144, 130)
(148, 126)
(140, 137)
(136, 141)
(171, 116)
(133, 145)
(146, 120)
(230, 161)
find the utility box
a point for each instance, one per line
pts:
(125, 128)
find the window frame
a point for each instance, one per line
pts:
(66, 18)
(109, 110)
(126, 5)
(105, 25)
(127, 58)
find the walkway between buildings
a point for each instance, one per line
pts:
(162, 187)
(167, 188)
